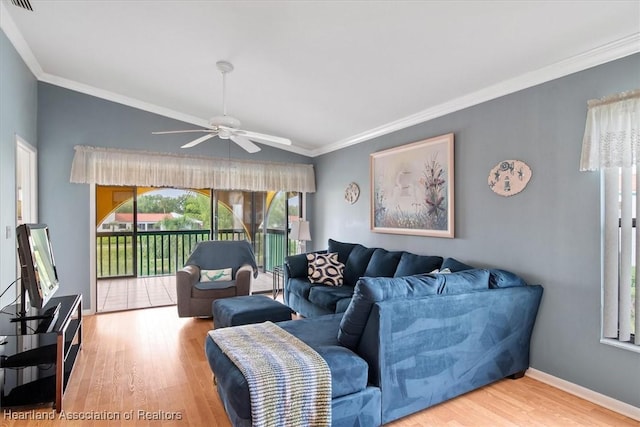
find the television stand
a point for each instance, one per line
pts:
(39, 353)
(49, 313)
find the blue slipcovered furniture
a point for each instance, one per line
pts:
(248, 309)
(404, 344)
(313, 299)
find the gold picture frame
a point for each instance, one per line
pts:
(412, 188)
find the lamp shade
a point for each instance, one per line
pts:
(300, 230)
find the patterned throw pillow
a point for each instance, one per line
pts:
(215, 275)
(325, 269)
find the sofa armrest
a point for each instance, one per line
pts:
(295, 266)
(243, 280)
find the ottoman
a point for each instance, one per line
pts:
(248, 309)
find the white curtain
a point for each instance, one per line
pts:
(106, 166)
(610, 144)
(611, 135)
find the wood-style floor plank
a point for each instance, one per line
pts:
(152, 361)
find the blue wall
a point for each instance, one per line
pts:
(18, 113)
(67, 118)
(550, 233)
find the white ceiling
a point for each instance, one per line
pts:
(324, 74)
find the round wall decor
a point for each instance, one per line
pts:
(509, 177)
(351, 193)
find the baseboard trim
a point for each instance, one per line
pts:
(586, 394)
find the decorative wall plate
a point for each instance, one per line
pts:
(509, 177)
(351, 193)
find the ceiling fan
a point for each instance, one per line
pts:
(228, 127)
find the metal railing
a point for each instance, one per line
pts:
(164, 252)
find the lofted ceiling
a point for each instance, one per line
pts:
(326, 74)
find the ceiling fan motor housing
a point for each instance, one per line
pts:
(227, 121)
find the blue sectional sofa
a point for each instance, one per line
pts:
(312, 299)
(404, 344)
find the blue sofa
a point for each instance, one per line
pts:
(312, 299)
(404, 344)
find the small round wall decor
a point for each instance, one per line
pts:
(351, 193)
(509, 177)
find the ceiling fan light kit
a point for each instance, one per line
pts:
(228, 127)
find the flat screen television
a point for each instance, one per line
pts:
(39, 277)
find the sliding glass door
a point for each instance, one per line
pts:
(150, 232)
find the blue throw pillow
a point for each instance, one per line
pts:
(342, 249)
(504, 279)
(382, 263)
(455, 265)
(356, 264)
(411, 264)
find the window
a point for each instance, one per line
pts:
(620, 254)
(611, 144)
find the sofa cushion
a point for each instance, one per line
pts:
(455, 265)
(349, 372)
(463, 281)
(382, 263)
(325, 269)
(370, 290)
(356, 264)
(219, 284)
(411, 264)
(504, 279)
(300, 287)
(342, 249)
(328, 296)
(341, 305)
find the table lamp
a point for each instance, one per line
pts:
(300, 233)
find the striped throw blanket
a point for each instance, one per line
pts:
(289, 383)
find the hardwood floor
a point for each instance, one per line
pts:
(150, 365)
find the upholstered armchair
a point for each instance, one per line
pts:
(215, 269)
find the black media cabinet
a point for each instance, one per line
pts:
(36, 358)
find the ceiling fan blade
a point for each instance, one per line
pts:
(181, 131)
(261, 137)
(245, 143)
(198, 141)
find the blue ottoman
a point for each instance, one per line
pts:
(248, 309)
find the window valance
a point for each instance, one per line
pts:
(612, 132)
(107, 166)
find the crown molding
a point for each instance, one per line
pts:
(600, 55)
